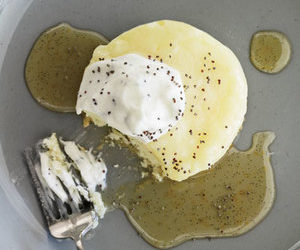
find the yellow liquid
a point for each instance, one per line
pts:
(56, 63)
(227, 200)
(270, 51)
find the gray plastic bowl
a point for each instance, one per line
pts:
(274, 104)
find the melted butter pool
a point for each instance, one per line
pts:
(227, 200)
(56, 63)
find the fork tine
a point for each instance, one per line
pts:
(68, 215)
(53, 208)
(47, 208)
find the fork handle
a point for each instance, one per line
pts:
(79, 244)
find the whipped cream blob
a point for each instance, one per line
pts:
(140, 97)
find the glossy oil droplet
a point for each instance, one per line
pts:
(270, 51)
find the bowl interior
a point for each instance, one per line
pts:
(273, 104)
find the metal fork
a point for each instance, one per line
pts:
(75, 227)
(63, 219)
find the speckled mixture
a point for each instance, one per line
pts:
(55, 65)
(227, 200)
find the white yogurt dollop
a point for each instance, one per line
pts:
(140, 97)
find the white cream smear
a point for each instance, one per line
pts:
(140, 97)
(57, 172)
